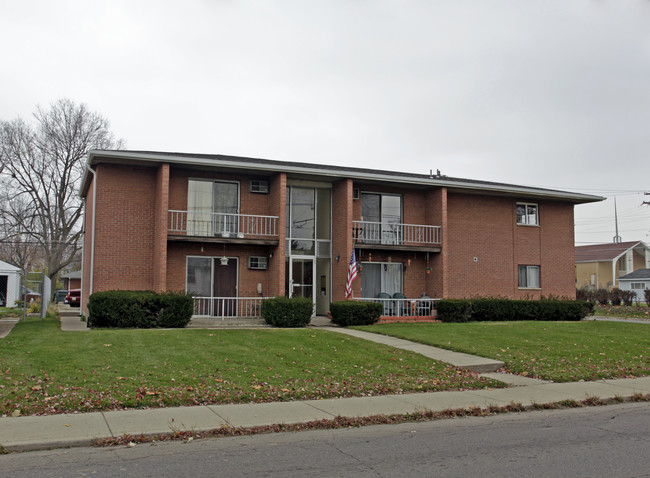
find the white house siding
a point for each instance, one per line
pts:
(640, 294)
(13, 282)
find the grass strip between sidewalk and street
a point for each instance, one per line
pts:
(557, 351)
(44, 370)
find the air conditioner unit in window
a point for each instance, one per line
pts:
(260, 186)
(258, 263)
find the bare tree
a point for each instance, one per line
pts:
(17, 248)
(41, 167)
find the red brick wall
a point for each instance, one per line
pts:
(558, 246)
(177, 253)
(484, 227)
(125, 227)
(87, 246)
(160, 232)
(342, 205)
(250, 203)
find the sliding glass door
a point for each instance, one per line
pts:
(382, 215)
(213, 208)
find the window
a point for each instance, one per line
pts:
(637, 286)
(529, 277)
(213, 208)
(380, 277)
(382, 216)
(527, 214)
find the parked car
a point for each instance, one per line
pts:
(60, 295)
(73, 298)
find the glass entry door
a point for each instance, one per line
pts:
(302, 278)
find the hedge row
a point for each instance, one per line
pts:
(286, 312)
(139, 309)
(351, 312)
(615, 296)
(465, 310)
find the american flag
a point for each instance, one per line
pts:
(352, 274)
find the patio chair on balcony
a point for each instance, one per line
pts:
(424, 305)
(402, 307)
(387, 302)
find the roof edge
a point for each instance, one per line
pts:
(331, 171)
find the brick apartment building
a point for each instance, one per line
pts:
(233, 229)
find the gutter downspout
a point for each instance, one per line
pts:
(81, 296)
(92, 234)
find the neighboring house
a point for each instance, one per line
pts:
(71, 280)
(9, 284)
(637, 281)
(599, 266)
(231, 230)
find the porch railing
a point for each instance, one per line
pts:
(395, 233)
(191, 223)
(420, 307)
(228, 307)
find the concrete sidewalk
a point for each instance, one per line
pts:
(6, 325)
(56, 431)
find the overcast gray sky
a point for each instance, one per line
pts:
(537, 92)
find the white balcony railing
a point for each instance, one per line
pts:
(191, 223)
(248, 307)
(420, 307)
(395, 233)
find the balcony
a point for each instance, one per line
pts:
(228, 307)
(396, 236)
(222, 227)
(421, 309)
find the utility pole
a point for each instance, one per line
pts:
(617, 238)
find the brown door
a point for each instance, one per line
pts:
(225, 285)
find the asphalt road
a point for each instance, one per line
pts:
(611, 441)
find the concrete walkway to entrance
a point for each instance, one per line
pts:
(457, 359)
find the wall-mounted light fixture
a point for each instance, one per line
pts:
(337, 257)
(224, 259)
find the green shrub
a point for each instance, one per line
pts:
(489, 309)
(34, 307)
(602, 296)
(285, 312)
(586, 294)
(353, 312)
(139, 309)
(454, 310)
(628, 297)
(615, 296)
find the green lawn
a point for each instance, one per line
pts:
(558, 351)
(10, 312)
(44, 370)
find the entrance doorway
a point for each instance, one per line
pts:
(309, 224)
(213, 285)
